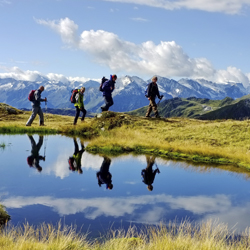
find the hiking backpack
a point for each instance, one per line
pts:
(146, 90)
(104, 79)
(71, 163)
(73, 95)
(31, 96)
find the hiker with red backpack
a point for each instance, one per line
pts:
(35, 157)
(107, 89)
(35, 98)
(75, 160)
(79, 105)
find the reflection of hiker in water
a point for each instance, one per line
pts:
(75, 160)
(34, 158)
(104, 176)
(148, 174)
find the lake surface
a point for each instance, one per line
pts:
(180, 191)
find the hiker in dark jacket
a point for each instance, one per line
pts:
(79, 105)
(36, 108)
(148, 174)
(104, 176)
(75, 160)
(34, 158)
(108, 87)
(152, 92)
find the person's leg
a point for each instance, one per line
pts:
(154, 107)
(84, 112)
(40, 143)
(108, 103)
(40, 113)
(76, 146)
(33, 115)
(149, 109)
(105, 107)
(77, 115)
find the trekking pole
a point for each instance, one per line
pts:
(46, 108)
(45, 145)
(160, 100)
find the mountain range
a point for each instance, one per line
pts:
(202, 108)
(128, 94)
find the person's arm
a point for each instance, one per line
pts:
(158, 93)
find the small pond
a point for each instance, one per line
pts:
(47, 190)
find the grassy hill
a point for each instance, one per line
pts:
(200, 108)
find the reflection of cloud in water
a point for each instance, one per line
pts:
(143, 209)
(61, 167)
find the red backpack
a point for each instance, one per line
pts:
(73, 95)
(31, 96)
(71, 163)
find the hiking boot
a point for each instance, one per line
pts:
(147, 116)
(27, 125)
(42, 124)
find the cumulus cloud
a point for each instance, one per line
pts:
(225, 6)
(166, 59)
(19, 74)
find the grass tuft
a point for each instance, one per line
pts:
(207, 235)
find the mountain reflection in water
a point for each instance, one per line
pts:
(74, 186)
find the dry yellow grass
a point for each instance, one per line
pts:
(226, 141)
(207, 236)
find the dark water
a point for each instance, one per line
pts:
(180, 190)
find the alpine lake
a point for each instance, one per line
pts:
(38, 185)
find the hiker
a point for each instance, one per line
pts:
(75, 160)
(152, 92)
(34, 158)
(104, 176)
(148, 174)
(36, 108)
(108, 87)
(79, 105)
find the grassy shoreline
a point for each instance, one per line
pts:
(215, 142)
(173, 236)
(4, 217)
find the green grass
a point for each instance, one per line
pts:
(186, 236)
(220, 141)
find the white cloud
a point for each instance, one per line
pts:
(232, 74)
(19, 74)
(134, 208)
(166, 59)
(139, 19)
(224, 6)
(2, 2)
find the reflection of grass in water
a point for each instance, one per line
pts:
(4, 217)
(224, 142)
(183, 236)
(2, 145)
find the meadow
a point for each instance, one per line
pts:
(224, 142)
(215, 142)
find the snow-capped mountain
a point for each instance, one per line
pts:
(128, 94)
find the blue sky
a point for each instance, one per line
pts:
(87, 39)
